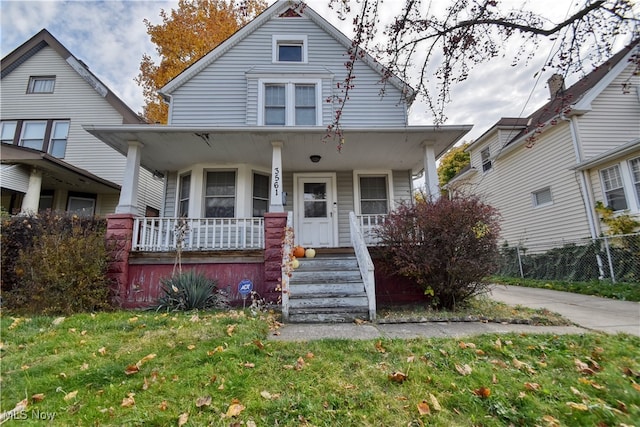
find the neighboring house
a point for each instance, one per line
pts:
(245, 140)
(546, 172)
(48, 160)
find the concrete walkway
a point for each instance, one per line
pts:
(590, 313)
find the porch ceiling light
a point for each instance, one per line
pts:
(315, 158)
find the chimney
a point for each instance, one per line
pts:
(556, 84)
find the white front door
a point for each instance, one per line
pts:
(316, 210)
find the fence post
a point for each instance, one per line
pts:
(520, 262)
(606, 246)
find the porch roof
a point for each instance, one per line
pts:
(168, 148)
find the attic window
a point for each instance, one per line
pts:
(290, 48)
(41, 84)
(486, 159)
(290, 13)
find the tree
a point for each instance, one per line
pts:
(433, 48)
(186, 34)
(453, 162)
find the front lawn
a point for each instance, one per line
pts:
(219, 368)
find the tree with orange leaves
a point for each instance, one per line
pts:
(185, 35)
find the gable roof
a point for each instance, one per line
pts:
(286, 7)
(44, 39)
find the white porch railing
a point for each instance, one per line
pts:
(367, 224)
(159, 234)
(364, 262)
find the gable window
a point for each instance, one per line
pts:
(542, 197)
(58, 142)
(8, 132)
(33, 135)
(613, 188)
(485, 155)
(635, 176)
(183, 195)
(373, 195)
(41, 84)
(290, 103)
(289, 48)
(260, 194)
(220, 194)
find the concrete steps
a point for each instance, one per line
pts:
(327, 288)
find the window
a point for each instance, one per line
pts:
(220, 194)
(58, 142)
(613, 188)
(485, 154)
(290, 103)
(44, 84)
(373, 195)
(8, 132)
(635, 176)
(33, 135)
(290, 48)
(260, 194)
(81, 205)
(542, 197)
(183, 196)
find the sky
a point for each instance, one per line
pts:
(110, 37)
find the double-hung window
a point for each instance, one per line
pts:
(635, 176)
(260, 194)
(33, 135)
(183, 195)
(613, 188)
(7, 132)
(291, 103)
(41, 84)
(220, 194)
(58, 141)
(485, 156)
(373, 195)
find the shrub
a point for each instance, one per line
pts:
(188, 290)
(54, 263)
(447, 246)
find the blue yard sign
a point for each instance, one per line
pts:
(245, 287)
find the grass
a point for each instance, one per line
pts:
(219, 368)
(620, 291)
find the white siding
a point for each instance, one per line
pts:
(15, 177)
(614, 120)
(171, 194)
(344, 181)
(221, 95)
(402, 187)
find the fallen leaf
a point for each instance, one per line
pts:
(235, 409)
(359, 321)
(145, 384)
(636, 386)
(300, 363)
(582, 367)
(215, 350)
(230, 329)
(128, 401)
(398, 377)
(133, 319)
(482, 392)
(494, 379)
(622, 407)
(480, 352)
(13, 413)
(163, 405)
(102, 351)
(499, 363)
(84, 366)
(131, 369)
(411, 359)
(251, 423)
(578, 406)
(551, 421)
(464, 369)
(630, 372)
(71, 395)
(259, 344)
(249, 365)
(203, 401)
(498, 344)
(310, 355)
(191, 347)
(57, 321)
(380, 348)
(423, 408)
(182, 419)
(435, 403)
(194, 318)
(532, 386)
(146, 359)
(39, 397)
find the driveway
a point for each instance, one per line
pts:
(596, 313)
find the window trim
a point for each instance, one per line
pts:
(34, 79)
(388, 174)
(290, 105)
(24, 126)
(534, 198)
(288, 39)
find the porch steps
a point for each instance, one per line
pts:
(327, 288)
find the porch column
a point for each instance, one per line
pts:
(128, 203)
(430, 172)
(275, 204)
(31, 200)
(119, 238)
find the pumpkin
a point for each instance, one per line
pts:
(310, 253)
(298, 252)
(295, 263)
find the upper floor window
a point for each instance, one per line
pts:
(58, 141)
(8, 132)
(220, 194)
(41, 84)
(485, 155)
(33, 135)
(613, 188)
(290, 48)
(290, 103)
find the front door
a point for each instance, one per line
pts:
(316, 210)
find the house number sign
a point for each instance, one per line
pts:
(276, 180)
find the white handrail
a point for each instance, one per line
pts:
(287, 268)
(364, 263)
(156, 234)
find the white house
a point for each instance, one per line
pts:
(48, 160)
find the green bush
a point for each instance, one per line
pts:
(447, 246)
(188, 290)
(54, 263)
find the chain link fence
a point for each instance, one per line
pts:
(614, 258)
